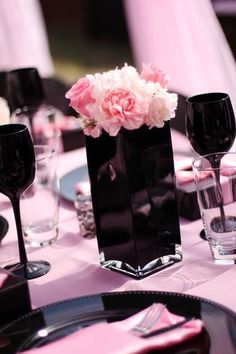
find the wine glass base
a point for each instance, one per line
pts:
(30, 270)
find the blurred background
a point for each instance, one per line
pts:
(190, 40)
(87, 36)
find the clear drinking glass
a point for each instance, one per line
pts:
(216, 191)
(43, 124)
(40, 202)
(210, 125)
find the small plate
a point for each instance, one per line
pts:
(68, 182)
(218, 335)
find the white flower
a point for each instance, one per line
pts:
(4, 111)
(161, 109)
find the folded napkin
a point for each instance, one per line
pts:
(184, 172)
(116, 337)
(183, 177)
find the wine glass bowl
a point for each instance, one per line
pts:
(27, 101)
(17, 168)
(25, 88)
(17, 172)
(210, 122)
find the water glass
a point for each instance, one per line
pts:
(43, 123)
(216, 191)
(40, 202)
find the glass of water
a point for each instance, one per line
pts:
(40, 202)
(216, 191)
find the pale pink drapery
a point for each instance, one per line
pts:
(184, 39)
(23, 37)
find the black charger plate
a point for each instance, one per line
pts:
(218, 335)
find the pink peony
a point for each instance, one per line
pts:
(80, 96)
(118, 103)
(122, 98)
(120, 107)
(151, 73)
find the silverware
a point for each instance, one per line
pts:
(150, 318)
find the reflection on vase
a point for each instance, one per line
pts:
(134, 200)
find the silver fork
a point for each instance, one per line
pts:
(151, 317)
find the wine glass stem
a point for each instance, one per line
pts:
(16, 208)
(216, 164)
(32, 126)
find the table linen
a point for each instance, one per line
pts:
(76, 269)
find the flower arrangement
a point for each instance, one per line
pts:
(122, 98)
(4, 111)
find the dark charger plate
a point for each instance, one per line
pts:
(218, 335)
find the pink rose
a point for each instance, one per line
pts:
(80, 96)
(151, 73)
(120, 107)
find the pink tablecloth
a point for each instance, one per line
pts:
(75, 262)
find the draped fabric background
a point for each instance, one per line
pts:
(184, 39)
(23, 37)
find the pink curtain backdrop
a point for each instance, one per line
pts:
(184, 39)
(23, 37)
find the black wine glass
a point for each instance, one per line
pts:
(17, 172)
(25, 88)
(26, 94)
(210, 126)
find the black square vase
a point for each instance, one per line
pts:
(134, 200)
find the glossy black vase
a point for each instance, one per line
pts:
(134, 200)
